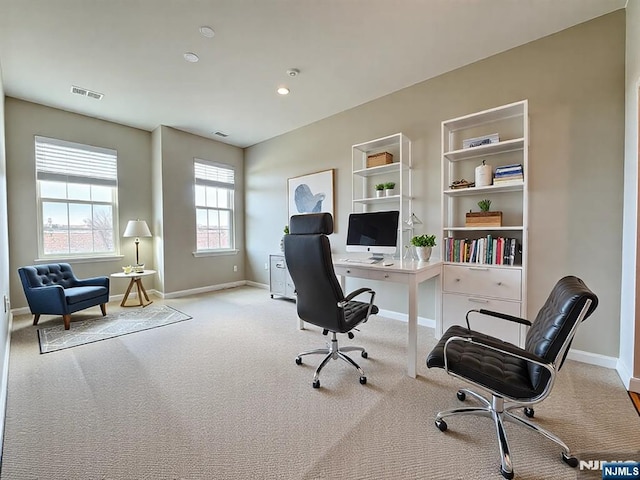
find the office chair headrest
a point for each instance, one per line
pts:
(311, 224)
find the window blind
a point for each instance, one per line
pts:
(214, 175)
(59, 160)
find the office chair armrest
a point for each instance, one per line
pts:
(503, 316)
(510, 350)
(357, 292)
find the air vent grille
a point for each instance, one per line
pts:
(221, 134)
(86, 93)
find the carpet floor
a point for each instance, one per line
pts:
(220, 397)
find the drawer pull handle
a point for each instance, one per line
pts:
(499, 284)
(478, 269)
(478, 300)
(386, 275)
(279, 265)
(348, 271)
(457, 279)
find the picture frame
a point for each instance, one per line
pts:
(311, 193)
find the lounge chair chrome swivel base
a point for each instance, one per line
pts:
(334, 352)
(499, 410)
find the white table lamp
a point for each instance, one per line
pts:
(137, 228)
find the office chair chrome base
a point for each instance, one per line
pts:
(334, 352)
(499, 410)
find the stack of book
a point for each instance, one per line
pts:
(508, 174)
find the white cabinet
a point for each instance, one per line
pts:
(280, 282)
(365, 178)
(485, 266)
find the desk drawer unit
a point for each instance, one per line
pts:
(483, 281)
(370, 274)
(466, 288)
(280, 282)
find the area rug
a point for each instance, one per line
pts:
(101, 328)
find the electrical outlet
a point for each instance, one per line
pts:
(235, 268)
(266, 266)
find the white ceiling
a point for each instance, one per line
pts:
(348, 52)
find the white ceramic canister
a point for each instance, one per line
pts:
(484, 175)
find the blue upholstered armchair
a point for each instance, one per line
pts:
(53, 289)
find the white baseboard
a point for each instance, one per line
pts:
(258, 285)
(630, 382)
(5, 380)
(403, 317)
(593, 358)
(210, 288)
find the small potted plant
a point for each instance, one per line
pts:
(423, 245)
(379, 189)
(286, 232)
(484, 218)
(388, 188)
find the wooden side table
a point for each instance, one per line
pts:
(135, 278)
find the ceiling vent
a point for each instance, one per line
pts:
(221, 134)
(86, 93)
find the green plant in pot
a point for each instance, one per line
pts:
(484, 205)
(379, 189)
(423, 245)
(286, 232)
(388, 188)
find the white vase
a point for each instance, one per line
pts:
(424, 253)
(378, 193)
(388, 192)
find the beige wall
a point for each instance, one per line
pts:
(183, 271)
(155, 183)
(23, 121)
(629, 364)
(574, 81)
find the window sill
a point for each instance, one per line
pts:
(110, 258)
(215, 253)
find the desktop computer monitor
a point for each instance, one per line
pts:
(373, 232)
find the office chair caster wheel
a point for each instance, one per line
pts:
(461, 395)
(529, 412)
(298, 361)
(570, 460)
(507, 475)
(363, 380)
(316, 384)
(442, 425)
(364, 355)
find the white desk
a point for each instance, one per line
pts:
(408, 272)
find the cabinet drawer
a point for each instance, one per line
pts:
(370, 274)
(455, 308)
(483, 281)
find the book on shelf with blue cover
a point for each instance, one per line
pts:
(507, 168)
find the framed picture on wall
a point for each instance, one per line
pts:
(312, 193)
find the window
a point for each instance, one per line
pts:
(77, 199)
(214, 201)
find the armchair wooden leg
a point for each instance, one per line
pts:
(67, 321)
(36, 317)
(103, 307)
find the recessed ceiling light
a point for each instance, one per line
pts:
(283, 91)
(206, 31)
(191, 57)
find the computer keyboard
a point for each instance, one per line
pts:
(361, 260)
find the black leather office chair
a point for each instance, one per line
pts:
(515, 377)
(320, 299)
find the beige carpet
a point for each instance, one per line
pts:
(220, 397)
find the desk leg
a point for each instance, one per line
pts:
(412, 338)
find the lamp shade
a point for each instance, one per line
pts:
(137, 228)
